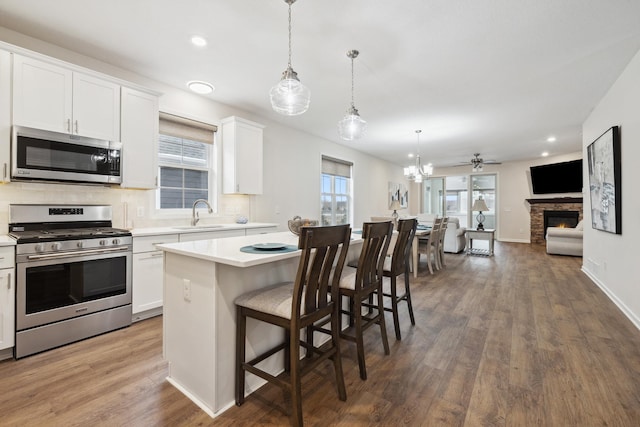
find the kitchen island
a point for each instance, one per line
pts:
(201, 281)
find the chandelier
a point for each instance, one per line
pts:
(352, 126)
(418, 172)
(289, 96)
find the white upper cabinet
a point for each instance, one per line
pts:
(241, 156)
(139, 139)
(50, 97)
(5, 114)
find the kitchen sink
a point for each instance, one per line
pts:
(197, 227)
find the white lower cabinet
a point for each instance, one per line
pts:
(147, 275)
(147, 298)
(7, 297)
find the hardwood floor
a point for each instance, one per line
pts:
(519, 339)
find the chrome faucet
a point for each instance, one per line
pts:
(194, 216)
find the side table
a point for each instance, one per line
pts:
(486, 234)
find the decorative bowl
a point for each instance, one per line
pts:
(297, 222)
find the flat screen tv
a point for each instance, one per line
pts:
(565, 177)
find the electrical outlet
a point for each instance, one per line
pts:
(140, 211)
(186, 289)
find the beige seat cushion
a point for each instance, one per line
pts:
(274, 300)
(348, 278)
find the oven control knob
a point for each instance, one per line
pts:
(40, 247)
(80, 244)
(116, 241)
(103, 242)
(56, 246)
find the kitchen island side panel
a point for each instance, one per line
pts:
(189, 327)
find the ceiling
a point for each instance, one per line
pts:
(496, 77)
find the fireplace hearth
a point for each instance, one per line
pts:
(567, 219)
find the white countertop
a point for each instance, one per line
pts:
(227, 251)
(201, 228)
(7, 241)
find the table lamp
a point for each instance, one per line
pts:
(480, 206)
(395, 205)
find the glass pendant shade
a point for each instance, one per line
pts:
(352, 126)
(289, 96)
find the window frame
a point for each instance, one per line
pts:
(212, 169)
(332, 194)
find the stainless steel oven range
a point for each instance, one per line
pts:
(73, 274)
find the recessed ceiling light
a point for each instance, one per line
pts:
(551, 139)
(199, 41)
(545, 153)
(410, 155)
(202, 88)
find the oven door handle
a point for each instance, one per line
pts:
(77, 253)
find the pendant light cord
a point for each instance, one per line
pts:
(289, 34)
(353, 105)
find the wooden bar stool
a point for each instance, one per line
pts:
(361, 283)
(295, 306)
(397, 265)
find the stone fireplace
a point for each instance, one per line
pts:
(568, 206)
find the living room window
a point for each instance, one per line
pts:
(335, 191)
(186, 163)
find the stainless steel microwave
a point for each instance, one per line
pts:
(51, 156)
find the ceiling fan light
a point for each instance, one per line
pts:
(352, 126)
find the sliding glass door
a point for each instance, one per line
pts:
(433, 196)
(484, 187)
(457, 198)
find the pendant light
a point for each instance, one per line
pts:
(352, 126)
(289, 96)
(417, 172)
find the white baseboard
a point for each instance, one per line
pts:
(625, 310)
(514, 240)
(136, 317)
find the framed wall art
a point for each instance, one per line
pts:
(604, 161)
(400, 193)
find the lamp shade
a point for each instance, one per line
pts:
(480, 206)
(395, 205)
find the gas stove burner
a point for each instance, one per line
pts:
(35, 236)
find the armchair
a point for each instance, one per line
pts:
(565, 241)
(454, 238)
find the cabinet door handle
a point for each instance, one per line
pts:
(76, 126)
(69, 125)
(9, 281)
(4, 171)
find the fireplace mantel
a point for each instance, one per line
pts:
(556, 200)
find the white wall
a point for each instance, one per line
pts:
(612, 260)
(513, 189)
(291, 163)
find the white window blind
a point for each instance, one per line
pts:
(185, 161)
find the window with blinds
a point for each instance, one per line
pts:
(335, 191)
(185, 160)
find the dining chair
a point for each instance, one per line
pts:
(396, 265)
(428, 244)
(296, 306)
(361, 283)
(440, 245)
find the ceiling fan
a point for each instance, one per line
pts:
(477, 162)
